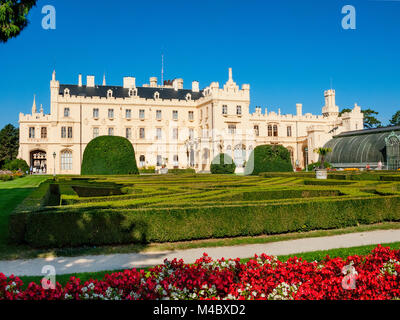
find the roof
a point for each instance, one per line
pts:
(361, 146)
(121, 92)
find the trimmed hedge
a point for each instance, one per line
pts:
(269, 158)
(77, 227)
(222, 164)
(107, 155)
(182, 171)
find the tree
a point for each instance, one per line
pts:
(268, 158)
(13, 17)
(369, 120)
(222, 164)
(17, 164)
(9, 144)
(322, 152)
(395, 121)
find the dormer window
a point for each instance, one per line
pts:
(156, 95)
(109, 93)
(66, 92)
(188, 97)
(133, 92)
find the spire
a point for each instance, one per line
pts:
(34, 105)
(230, 75)
(54, 75)
(104, 79)
(41, 108)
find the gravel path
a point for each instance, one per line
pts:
(66, 265)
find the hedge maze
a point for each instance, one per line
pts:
(105, 210)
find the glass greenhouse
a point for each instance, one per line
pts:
(357, 149)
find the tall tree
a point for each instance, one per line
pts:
(370, 121)
(13, 17)
(9, 143)
(395, 121)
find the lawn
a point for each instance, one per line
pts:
(11, 194)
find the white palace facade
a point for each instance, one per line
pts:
(169, 125)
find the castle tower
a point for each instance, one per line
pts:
(330, 109)
(34, 109)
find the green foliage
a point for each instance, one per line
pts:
(317, 164)
(222, 164)
(182, 171)
(149, 169)
(77, 227)
(268, 158)
(9, 144)
(6, 177)
(395, 121)
(13, 17)
(370, 121)
(322, 154)
(107, 155)
(17, 164)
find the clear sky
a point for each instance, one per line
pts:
(287, 50)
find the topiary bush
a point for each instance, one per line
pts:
(109, 155)
(222, 164)
(268, 158)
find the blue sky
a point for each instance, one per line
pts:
(286, 50)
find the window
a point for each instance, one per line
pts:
(66, 160)
(191, 134)
(175, 114)
(175, 133)
(95, 113)
(141, 114)
(232, 129)
(176, 160)
(224, 109)
(128, 133)
(239, 110)
(142, 161)
(256, 131)
(43, 132)
(128, 113)
(289, 131)
(159, 161)
(275, 130)
(269, 131)
(191, 115)
(69, 132)
(158, 114)
(66, 112)
(32, 132)
(110, 131)
(141, 133)
(95, 132)
(111, 113)
(159, 134)
(63, 132)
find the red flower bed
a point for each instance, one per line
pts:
(374, 276)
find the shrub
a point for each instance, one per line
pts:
(149, 169)
(6, 177)
(316, 165)
(222, 164)
(109, 155)
(268, 158)
(182, 171)
(17, 164)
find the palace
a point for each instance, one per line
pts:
(169, 125)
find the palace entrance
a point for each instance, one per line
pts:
(38, 163)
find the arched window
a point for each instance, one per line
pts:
(66, 92)
(109, 93)
(156, 95)
(66, 160)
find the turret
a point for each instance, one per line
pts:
(330, 108)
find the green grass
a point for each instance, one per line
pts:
(308, 256)
(12, 193)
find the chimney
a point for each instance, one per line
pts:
(153, 82)
(299, 109)
(195, 86)
(180, 83)
(129, 82)
(80, 80)
(90, 81)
